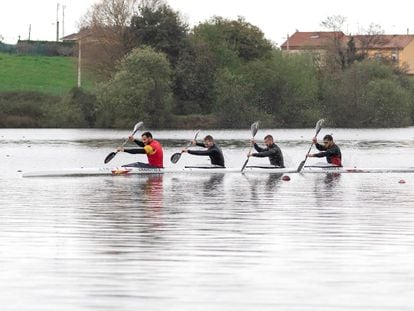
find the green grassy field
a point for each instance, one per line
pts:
(52, 75)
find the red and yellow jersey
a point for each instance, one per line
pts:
(154, 153)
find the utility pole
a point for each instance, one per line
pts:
(79, 61)
(287, 42)
(63, 20)
(30, 30)
(57, 22)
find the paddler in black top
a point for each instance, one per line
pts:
(272, 151)
(213, 151)
(329, 150)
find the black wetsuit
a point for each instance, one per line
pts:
(332, 154)
(214, 152)
(273, 152)
(136, 151)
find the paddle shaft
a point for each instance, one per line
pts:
(110, 156)
(302, 164)
(310, 148)
(247, 160)
(176, 156)
(126, 140)
(191, 142)
(254, 128)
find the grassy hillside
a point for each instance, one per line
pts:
(52, 75)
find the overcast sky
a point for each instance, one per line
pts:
(275, 18)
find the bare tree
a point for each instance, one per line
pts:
(336, 48)
(371, 38)
(104, 33)
(334, 23)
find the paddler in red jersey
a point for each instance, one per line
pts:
(329, 150)
(151, 147)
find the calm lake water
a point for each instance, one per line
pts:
(205, 242)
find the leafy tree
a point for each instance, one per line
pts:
(281, 90)
(239, 36)
(157, 25)
(195, 74)
(365, 95)
(235, 107)
(211, 47)
(388, 104)
(140, 90)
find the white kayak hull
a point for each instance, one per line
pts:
(117, 171)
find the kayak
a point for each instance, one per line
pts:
(121, 171)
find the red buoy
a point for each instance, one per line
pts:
(401, 181)
(285, 178)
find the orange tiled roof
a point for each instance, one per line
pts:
(385, 41)
(319, 39)
(314, 39)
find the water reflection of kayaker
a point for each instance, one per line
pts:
(272, 151)
(213, 151)
(151, 147)
(214, 183)
(329, 150)
(153, 190)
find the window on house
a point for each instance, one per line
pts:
(394, 56)
(317, 58)
(378, 56)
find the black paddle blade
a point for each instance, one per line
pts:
(110, 156)
(175, 157)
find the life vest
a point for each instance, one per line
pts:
(155, 154)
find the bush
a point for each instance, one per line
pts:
(76, 109)
(368, 94)
(24, 109)
(140, 90)
(279, 91)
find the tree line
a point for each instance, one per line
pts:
(150, 65)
